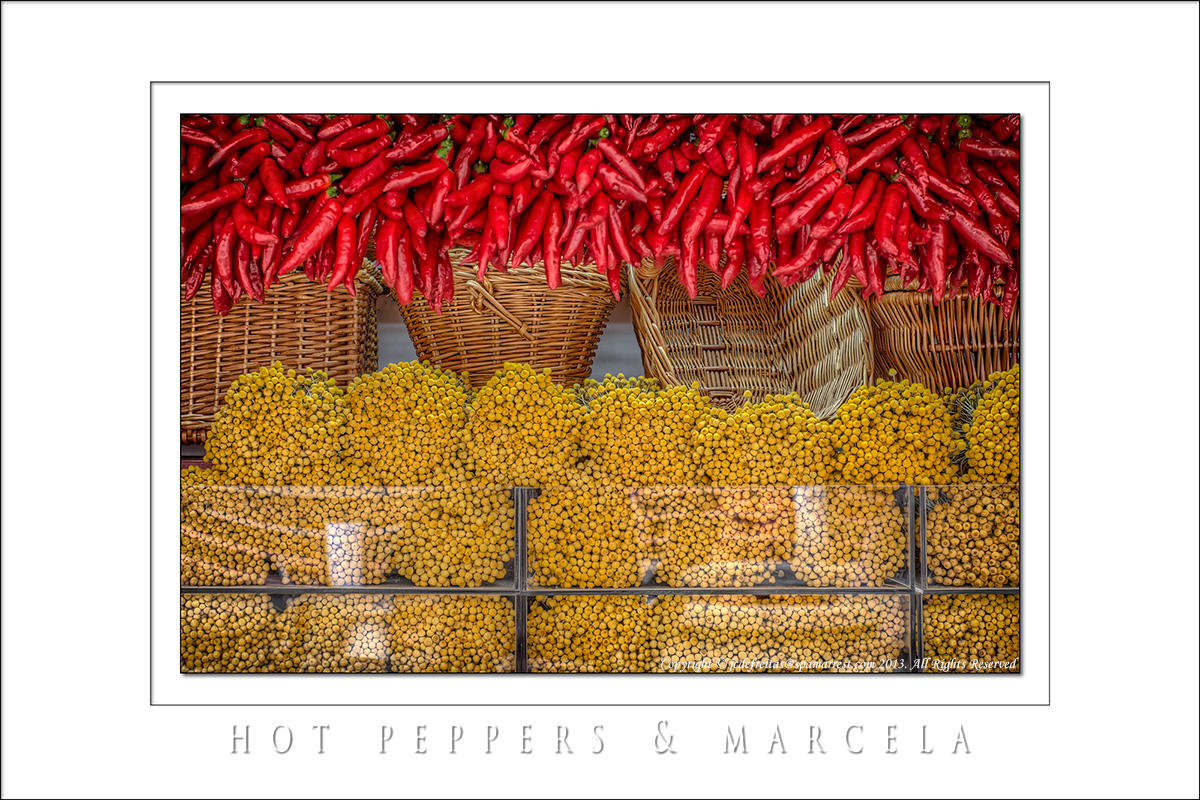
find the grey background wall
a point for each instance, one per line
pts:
(617, 351)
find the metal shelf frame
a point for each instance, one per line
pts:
(913, 584)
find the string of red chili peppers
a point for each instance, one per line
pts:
(932, 199)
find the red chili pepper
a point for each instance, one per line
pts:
(813, 177)
(437, 201)
(850, 122)
(878, 149)
(901, 234)
(792, 142)
(617, 236)
(225, 255)
(583, 129)
(838, 149)
(741, 210)
(812, 203)
(974, 147)
(193, 136)
(956, 167)
(310, 239)
(665, 136)
(623, 165)
(550, 244)
(863, 192)
(222, 301)
(698, 215)
(314, 159)
(916, 163)
(274, 181)
(875, 272)
(241, 268)
(585, 169)
(979, 238)
(254, 192)
(280, 134)
(1010, 174)
(340, 124)
(229, 193)
(1009, 304)
(545, 128)
(833, 216)
(472, 193)
(531, 229)
(360, 155)
(779, 123)
(238, 141)
(343, 262)
(954, 194)
(712, 131)
(366, 227)
(412, 146)
(617, 186)
(248, 228)
(199, 269)
(833, 246)
(935, 259)
(443, 272)
(982, 196)
(270, 254)
(885, 222)
(865, 218)
(688, 189)
(308, 187)
(924, 205)
(760, 232)
(752, 124)
(296, 129)
(801, 266)
(872, 129)
(415, 175)
(403, 268)
(666, 168)
(376, 128)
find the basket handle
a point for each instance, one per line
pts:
(480, 296)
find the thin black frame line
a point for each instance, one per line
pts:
(603, 83)
(1049, 260)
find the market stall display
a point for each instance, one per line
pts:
(758, 503)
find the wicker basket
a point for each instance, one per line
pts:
(514, 316)
(952, 345)
(732, 341)
(301, 325)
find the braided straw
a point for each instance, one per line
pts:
(300, 324)
(514, 316)
(949, 346)
(731, 341)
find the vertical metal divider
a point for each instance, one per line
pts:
(923, 582)
(521, 497)
(911, 529)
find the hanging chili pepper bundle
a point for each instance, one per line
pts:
(931, 198)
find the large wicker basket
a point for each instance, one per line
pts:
(951, 345)
(300, 324)
(514, 316)
(732, 341)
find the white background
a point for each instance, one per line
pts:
(76, 398)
